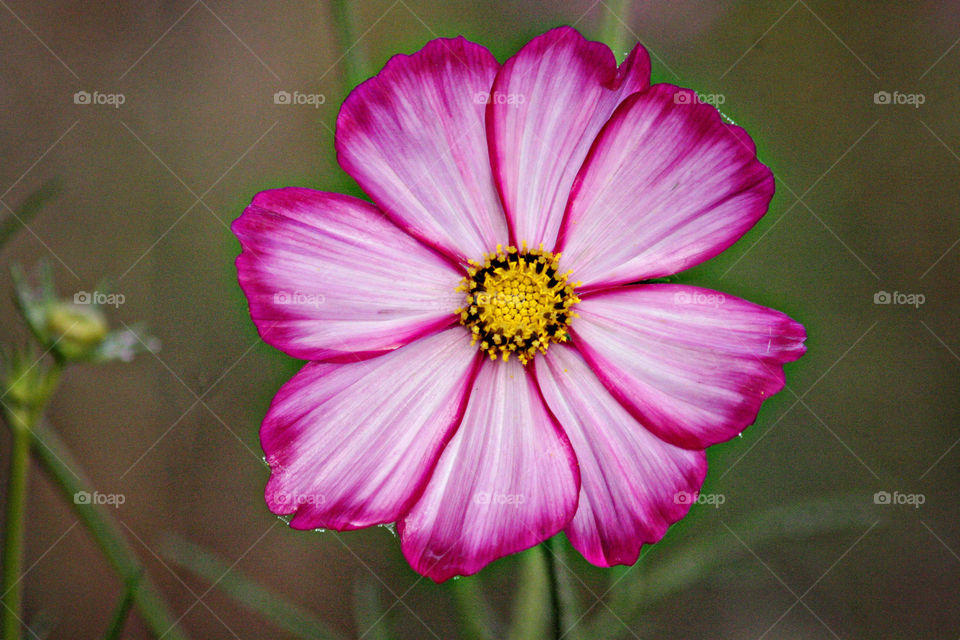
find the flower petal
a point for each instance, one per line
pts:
(328, 276)
(633, 484)
(351, 445)
(414, 138)
(548, 103)
(506, 481)
(666, 186)
(692, 365)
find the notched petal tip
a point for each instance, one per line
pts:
(630, 478)
(506, 481)
(559, 90)
(328, 276)
(691, 364)
(352, 445)
(413, 137)
(674, 176)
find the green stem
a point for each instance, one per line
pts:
(33, 389)
(354, 62)
(615, 30)
(472, 609)
(20, 422)
(119, 620)
(58, 463)
(553, 580)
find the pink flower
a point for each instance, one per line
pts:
(468, 382)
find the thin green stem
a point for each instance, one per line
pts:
(554, 582)
(25, 407)
(55, 459)
(20, 422)
(122, 612)
(615, 30)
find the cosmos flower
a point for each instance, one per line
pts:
(489, 363)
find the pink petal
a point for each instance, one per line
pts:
(666, 186)
(633, 484)
(351, 445)
(548, 103)
(328, 276)
(506, 481)
(692, 365)
(414, 138)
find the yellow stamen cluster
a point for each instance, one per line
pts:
(517, 302)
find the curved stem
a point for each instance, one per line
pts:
(20, 425)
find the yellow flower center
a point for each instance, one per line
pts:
(517, 302)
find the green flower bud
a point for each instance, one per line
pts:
(75, 330)
(28, 382)
(25, 387)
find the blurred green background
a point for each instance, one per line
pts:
(867, 200)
